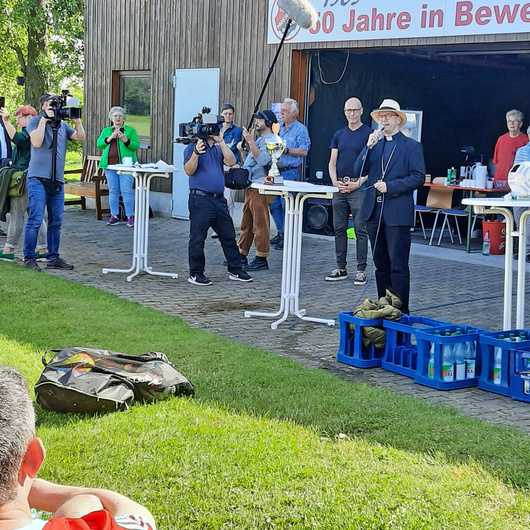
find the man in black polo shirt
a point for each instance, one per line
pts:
(203, 163)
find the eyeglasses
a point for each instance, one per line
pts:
(386, 116)
(513, 121)
(118, 116)
(349, 111)
(22, 116)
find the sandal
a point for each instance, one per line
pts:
(41, 256)
(6, 256)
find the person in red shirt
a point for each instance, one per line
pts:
(21, 455)
(507, 146)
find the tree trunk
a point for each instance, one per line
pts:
(35, 71)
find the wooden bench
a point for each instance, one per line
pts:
(92, 184)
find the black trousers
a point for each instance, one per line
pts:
(206, 212)
(391, 251)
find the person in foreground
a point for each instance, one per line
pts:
(21, 456)
(395, 168)
(203, 163)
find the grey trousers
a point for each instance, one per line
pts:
(18, 213)
(343, 204)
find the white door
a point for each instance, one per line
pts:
(194, 89)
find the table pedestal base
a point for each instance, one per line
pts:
(292, 253)
(141, 226)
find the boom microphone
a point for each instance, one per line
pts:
(300, 11)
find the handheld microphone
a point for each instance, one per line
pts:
(380, 127)
(300, 11)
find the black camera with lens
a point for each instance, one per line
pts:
(64, 106)
(200, 127)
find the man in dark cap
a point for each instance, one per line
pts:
(255, 223)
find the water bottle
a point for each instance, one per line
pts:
(486, 244)
(471, 358)
(522, 336)
(448, 360)
(460, 359)
(430, 367)
(497, 363)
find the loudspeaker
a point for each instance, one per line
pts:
(318, 217)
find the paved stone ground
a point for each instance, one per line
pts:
(447, 284)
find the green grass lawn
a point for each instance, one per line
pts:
(266, 443)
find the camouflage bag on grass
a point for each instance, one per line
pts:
(87, 380)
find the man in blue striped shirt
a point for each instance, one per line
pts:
(297, 145)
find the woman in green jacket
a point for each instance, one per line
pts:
(118, 142)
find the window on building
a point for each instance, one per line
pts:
(135, 98)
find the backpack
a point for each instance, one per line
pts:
(88, 380)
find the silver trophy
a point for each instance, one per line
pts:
(275, 147)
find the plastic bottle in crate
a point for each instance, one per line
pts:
(471, 358)
(460, 359)
(522, 336)
(497, 363)
(430, 367)
(448, 360)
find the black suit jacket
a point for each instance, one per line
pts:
(405, 173)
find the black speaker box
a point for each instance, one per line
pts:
(318, 217)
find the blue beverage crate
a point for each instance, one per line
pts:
(427, 338)
(520, 383)
(490, 341)
(351, 349)
(401, 344)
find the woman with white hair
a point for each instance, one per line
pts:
(118, 142)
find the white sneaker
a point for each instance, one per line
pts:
(360, 279)
(337, 274)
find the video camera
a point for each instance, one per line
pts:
(64, 106)
(200, 127)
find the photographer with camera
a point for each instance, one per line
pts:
(203, 163)
(118, 141)
(255, 223)
(45, 179)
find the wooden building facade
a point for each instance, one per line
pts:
(150, 39)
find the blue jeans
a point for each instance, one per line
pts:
(206, 212)
(124, 184)
(38, 200)
(277, 208)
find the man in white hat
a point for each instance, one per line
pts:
(395, 167)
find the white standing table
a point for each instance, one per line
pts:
(295, 195)
(504, 207)
(142, 178)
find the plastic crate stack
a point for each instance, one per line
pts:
(443, 355)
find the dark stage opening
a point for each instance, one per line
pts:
(463, 91)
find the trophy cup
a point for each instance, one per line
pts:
(275, 147)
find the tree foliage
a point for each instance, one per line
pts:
(42, 47)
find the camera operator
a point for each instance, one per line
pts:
(45, 189)
(203, 163)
